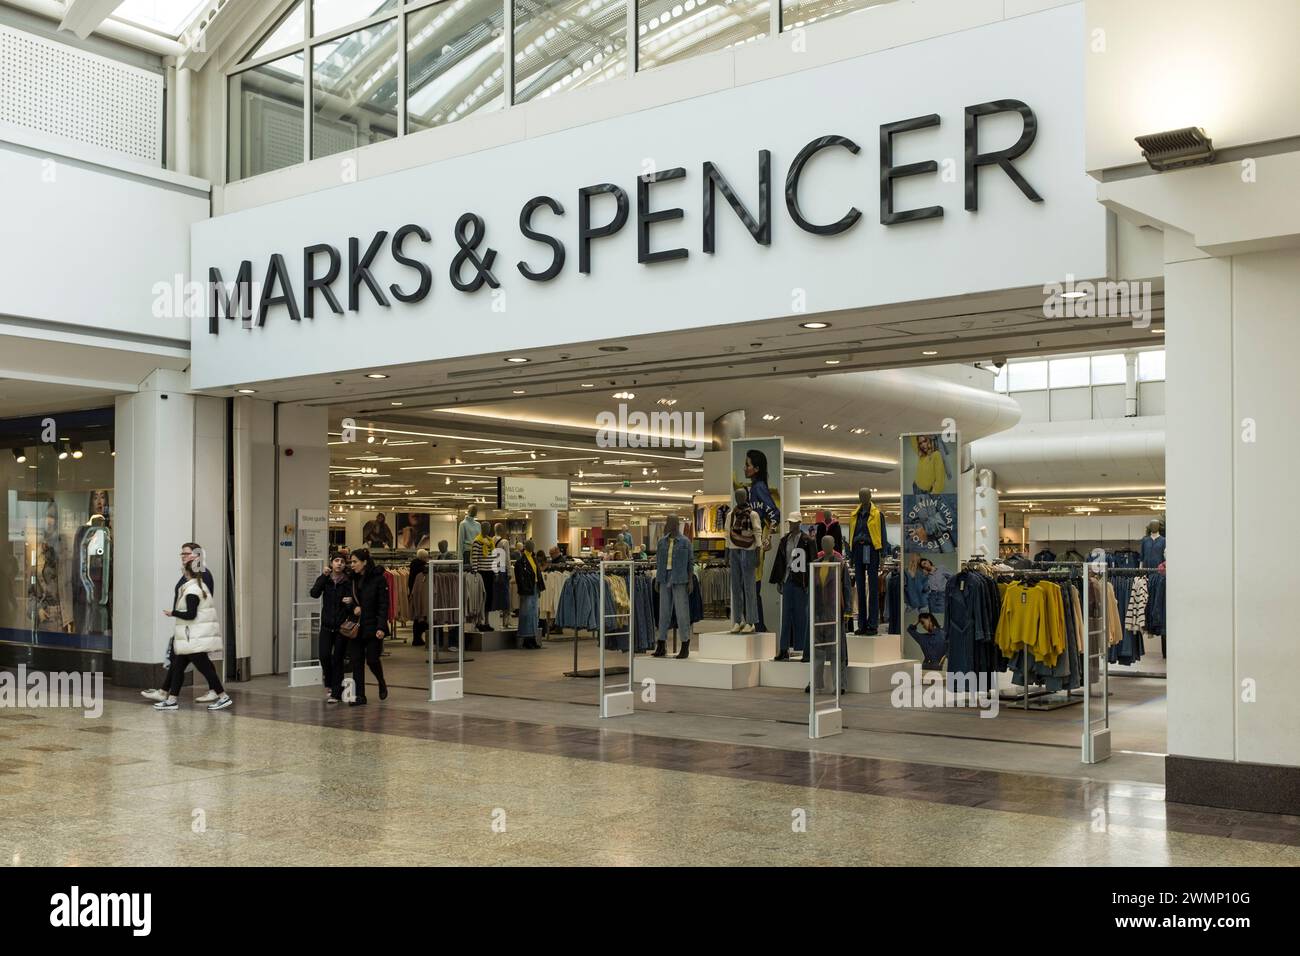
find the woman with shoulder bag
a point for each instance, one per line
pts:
(368, 601)
(197, 634)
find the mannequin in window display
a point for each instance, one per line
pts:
(501, 551)
(869, 541)
(1153, 546)
(673, 563)
(469, 530)
(91, 589)
(744, 539)
(46, 610)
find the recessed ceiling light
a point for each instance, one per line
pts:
(832, 361)
(376, 375)
(625, 396)
(247, 391)
(1157, 331)
(520, 391)
(517, 360)
(814, 325)
(612, 348)
(1074, 295)
(929, 352)
(771, 418)
(587, 385)
(396, 404)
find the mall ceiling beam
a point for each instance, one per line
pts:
(83, 17)
(113, 29)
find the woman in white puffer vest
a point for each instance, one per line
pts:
(197, 634)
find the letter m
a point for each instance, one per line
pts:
(219, 296)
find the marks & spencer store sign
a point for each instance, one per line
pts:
(855, 184)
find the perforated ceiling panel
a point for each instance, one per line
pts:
(66, 92)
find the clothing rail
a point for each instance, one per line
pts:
(1054, 570)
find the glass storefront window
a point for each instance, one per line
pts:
(327, 15)
(57, 508)
(266, 117)
(354, 90)
(455, 62)
(567, 44)
(800, 13)
(672, 30)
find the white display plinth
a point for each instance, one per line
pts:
(306, 676)
(698, 672)
(863, 678)
(875, 650)
(827, 723)
(618, 704)
(721, 646)
(447, 688)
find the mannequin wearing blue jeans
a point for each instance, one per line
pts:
(673, 575)
(866, 566)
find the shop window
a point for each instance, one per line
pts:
(330, 15)
(1026, 376)
(1151, 366)
(354, 90)
(561, 46)
(800, 13)
(1069, 372)
(455, 62)
(266, 117)
(673, 30)
(1108, 370)
(288, 32)
(57, 499)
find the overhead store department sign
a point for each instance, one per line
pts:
(866, 182)
(523, 494)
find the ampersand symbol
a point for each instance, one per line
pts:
(468, 245)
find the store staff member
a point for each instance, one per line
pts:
(869, 541)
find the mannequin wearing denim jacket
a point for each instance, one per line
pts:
(673, 572)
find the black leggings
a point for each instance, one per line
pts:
(363, 651)
(201, 664)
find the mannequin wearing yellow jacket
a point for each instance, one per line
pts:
(867, 542)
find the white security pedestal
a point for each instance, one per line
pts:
(721, 646)
(698, 672)
(479, 642)
(1100, 749)
(447, 688)
(875, 650)
(827, 723)
(617, 704)
(307, 676)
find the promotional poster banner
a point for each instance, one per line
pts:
(757, 465)
(928, 541)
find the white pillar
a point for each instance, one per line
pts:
(545, 528)
(181, 160)
(790, 489)
(153, 516)
(302, 467)
(987, 518)
(1130, 384)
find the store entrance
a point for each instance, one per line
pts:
(405, 478)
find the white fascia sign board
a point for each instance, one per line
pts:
(394, 249)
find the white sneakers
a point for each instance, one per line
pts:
(218, 703)
(736, 628)
(166, 704)
(159, 695)
(221, 703)
(747, 629)
(207, 698)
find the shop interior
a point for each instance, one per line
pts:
(406, 468)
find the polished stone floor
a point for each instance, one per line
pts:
(281, 779)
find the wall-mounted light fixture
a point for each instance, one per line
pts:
(1177, 148)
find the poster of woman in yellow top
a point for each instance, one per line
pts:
(931, 465)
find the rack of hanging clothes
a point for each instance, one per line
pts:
(578, 607)
(715, 587)
(972, 606)
(1140, 600)
(1040, 633)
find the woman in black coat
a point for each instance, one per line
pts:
(332, 587)
(370, 611)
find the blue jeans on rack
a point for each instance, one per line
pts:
(794, 618)
(676, 596)
(744, 596)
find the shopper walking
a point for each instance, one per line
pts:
(331, 587)
(196, 634)
(160, 693)
(419, 565)
(368, 601)
(529, 583)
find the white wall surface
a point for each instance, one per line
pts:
(86, 245)
(303, 483)
(1031, 58)
(1158, 65)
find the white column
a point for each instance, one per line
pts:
(545, 528)
(1130, 384)
(255, 539)
(154, 515)
(181, 159)
(302, 482)
(790, 489)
